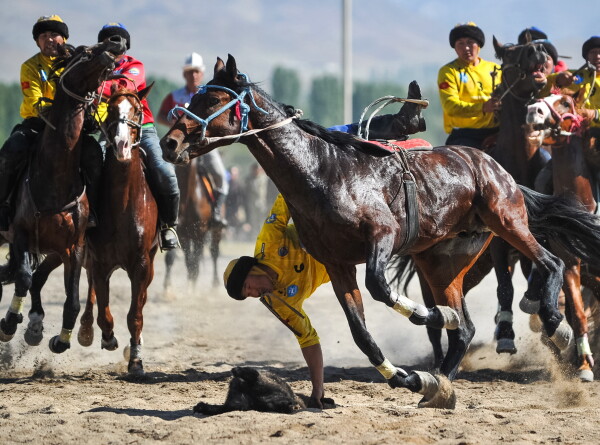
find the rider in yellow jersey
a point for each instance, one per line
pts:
(284, 275)
(465, 87)
(38, 85)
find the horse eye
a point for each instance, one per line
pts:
(212, 101)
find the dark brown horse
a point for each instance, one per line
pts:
(553, 121)
(350, 206)
(52, 209)
(195, 226)
(127, 235)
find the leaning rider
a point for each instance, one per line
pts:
(161, 174)
(38, 85)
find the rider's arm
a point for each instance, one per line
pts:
(450, 95)
(31, 87)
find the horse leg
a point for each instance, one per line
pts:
(435, 335)
(140, 280)
(504, 334)
(35, 328)
(101, 280)
(578, 320)
(444, 267)
(215, 242)
(85, 336)
(72, 273)
(379, 252)
(23, 278)
(169, 261)
(343, 279)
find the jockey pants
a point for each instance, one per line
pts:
(213, 164)
(161, 177)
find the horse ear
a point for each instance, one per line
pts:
(499, 48)
(144, 93)
(114, 87)
(218, 66)
(231, 67)
(527, 37)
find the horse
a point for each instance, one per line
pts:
(52, 207)
(553, 121)
(354, 205)
(127, 236)
(195, 216)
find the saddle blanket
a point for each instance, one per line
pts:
(394, 146)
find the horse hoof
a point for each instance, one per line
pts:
(5, 337)
(8, 326)
(136, 368)
(563, 336)
(57, 346)
(529, 306)
(33, 337)
(109, 345)
(85, 336)
(437, 391)
(535, 323)
(506, 345)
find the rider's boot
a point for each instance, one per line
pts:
(91, 164)
(168, 207)
(398, 126)
(217, 217)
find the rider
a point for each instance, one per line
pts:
(193, 73)
(161, 174)
(286, 275)
(465, 88)
(587, 80)
(38, 85)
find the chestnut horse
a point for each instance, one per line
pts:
(195, 216)
(52, 207)
(127, 234)
(351, 205)
(553, 121)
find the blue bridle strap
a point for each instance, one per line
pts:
(238, 98)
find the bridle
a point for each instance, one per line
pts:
(136, 124)
(575, 127)
(241, 109)
(522, 75)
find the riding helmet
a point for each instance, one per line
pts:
(114, 29)
(50, 23)
(591, 43)
(235, 274)
(470, 30)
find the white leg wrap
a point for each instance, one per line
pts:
(429, 384)
(450, 317)
(135, 352)
(583, 346)
(505, 316)
(65, 335)
(407, 307)
(386, 369)
(16, 305)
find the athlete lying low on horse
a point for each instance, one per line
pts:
(350, 207)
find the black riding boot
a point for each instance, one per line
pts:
(217, 217)
(398, 126)
(168, 207)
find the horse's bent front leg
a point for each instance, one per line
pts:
(346, 289)
(72, 273)
(35, 328)
(378, 256)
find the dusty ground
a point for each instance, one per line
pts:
(193, 339)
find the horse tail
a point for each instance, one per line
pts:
(565, 221)
(9, 270)
(401, 270)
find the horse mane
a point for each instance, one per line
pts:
(69, 54)
(338, 138)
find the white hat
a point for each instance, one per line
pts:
(193, 62)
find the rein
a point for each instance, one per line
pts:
(123, 120)
(575, 129)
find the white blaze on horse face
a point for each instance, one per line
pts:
(539, 113)
(123, 135)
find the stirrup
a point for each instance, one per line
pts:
(162, 241)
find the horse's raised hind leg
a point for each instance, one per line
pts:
(72, 273)
(23, 278)
(140, 278)
(85, 336)
(504, 334)
(343, 279)
(578, 320)
(35, 328)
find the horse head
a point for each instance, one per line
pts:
(522, 68)
(553, 119)
(215, 115)
(123, 125)
(86, 67)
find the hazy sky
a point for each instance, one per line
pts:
(389, 36)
